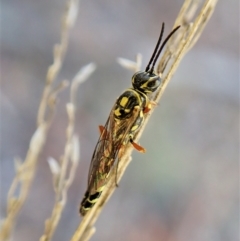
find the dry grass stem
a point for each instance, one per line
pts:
(80, 77)
(59, 52)
(61, 180)
(131, 65)
(192, 17)
(25, 170)
(64, 170)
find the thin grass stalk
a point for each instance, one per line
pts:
(25, 170)
(64, 170)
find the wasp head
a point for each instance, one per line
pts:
(146, 82)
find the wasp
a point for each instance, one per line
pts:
(123, 123)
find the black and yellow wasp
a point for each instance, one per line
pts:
(123, 123)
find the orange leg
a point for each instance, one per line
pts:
(101, 129)
(103, 132)
(149, 106)
(137, 147)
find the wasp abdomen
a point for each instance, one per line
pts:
(89, 201)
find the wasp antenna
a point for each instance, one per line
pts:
(162, 46)
(156, 48)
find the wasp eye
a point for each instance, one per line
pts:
(151, 84)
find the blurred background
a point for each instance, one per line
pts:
(185, 187)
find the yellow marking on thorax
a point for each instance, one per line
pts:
(117, 112)
(124, 101)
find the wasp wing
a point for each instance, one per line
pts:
(105, 155)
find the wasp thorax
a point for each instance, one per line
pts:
(145, 81)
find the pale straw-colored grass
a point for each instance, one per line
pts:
(63, 171)
(25, 169)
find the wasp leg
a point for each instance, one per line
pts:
(149, 106)
(103, 132)
(101, 129)
(137, 147)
